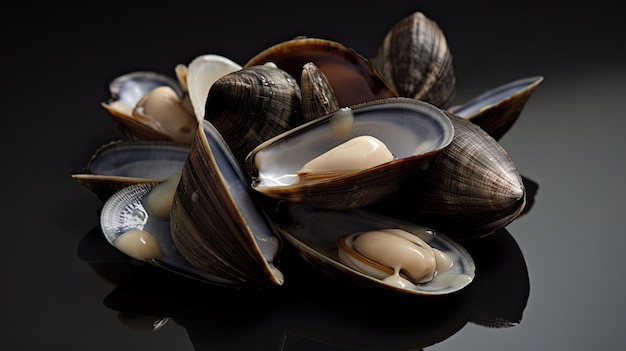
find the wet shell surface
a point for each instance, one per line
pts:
(470, 189)
(129, 88)
(496, 110)
(318, 96)
(126, 91)
(128, 226)
(252, 105)
(120, 163)
(216, 223)
(412, 131)
(316, 232)
(152, 106)
(351, 76)
(415, 59)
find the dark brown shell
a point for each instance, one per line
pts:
(414, 131)
(415, 59)
(352, 77)
(252, 105)
(318, 97)
(215, 223)
(121, 163)
(470, 189)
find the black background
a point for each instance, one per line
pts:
(57, 61)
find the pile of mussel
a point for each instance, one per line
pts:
(361, 165)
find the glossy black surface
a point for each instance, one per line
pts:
(552, 280)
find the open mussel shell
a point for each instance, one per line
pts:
(128, 88)
(412, 130)
(216, 223)
(124, 214)
(351, 76)
(314, 233)
(496, 110)
(469, 190)
(415, 59)
(121, 163)
(126, 91)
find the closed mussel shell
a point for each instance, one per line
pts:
(470, 189)
(497, 109)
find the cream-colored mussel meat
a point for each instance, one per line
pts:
(162, 109)
(393, 255)
(352, 157)
(356, 154)
(141, 244)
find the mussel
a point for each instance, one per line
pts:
(347, 160)
(152, 106)
(121, 163)
(318, 96)
(130, 224)
(216, 223)
(137, 104)
(414, 58)
(413, 132)
(200, 75)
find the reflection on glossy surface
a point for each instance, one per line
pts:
(532, 188)
(312, 311)
(500, 291)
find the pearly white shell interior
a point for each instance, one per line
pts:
(315, 232)
(493, 97)
(406, 130)
(131, 87)
(124, 212)
(139, 159)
